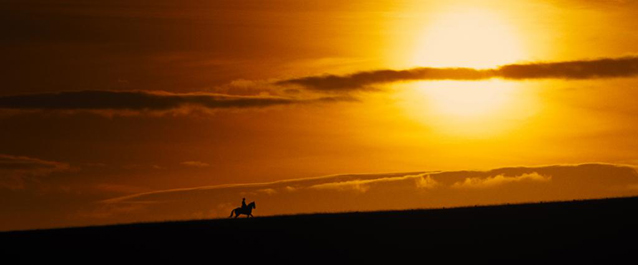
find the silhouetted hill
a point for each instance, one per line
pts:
(592, 231)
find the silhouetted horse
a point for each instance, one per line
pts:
(248, 211)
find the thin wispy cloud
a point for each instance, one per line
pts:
(195, 164)
(582, 69)
(16, 170)
(500, 180)
(358, 185)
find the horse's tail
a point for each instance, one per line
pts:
(232, 212)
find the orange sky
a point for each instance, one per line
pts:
(109, 99)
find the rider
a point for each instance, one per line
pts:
(243, 203)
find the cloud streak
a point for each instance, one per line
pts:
(500, 180)
(144, 101)
(16, 170)
(195, 164)
(582, 69)
(423, 180)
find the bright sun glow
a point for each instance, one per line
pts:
(467, 38)
(467, 99)
(469, 109)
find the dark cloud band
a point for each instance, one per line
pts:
(141, 100)
(585, 69)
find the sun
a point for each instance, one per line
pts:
(470, 37)
(467, 37)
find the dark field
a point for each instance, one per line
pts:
(580, 232)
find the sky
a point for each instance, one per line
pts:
(126, 111)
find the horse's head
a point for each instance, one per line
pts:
(252, 205)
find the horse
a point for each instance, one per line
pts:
(248, 211)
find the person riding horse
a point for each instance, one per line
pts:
(244, 209)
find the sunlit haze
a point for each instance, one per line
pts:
(128, 111)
